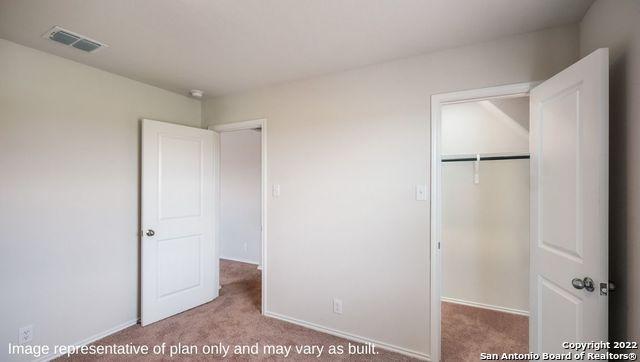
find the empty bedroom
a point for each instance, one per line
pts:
(368, 180)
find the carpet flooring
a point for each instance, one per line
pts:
(234, 318)
(231, 319)
(468, 331)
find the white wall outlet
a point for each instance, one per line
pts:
(337, 306)
(246, 247)
(276, 190)
(25, 334)
(421, 192)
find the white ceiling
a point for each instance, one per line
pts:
(224, 46)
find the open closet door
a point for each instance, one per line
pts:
(569, 206)
(178, 258)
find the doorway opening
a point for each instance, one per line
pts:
(241, 207)
(480, 222)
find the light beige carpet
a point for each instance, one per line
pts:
(469, 331)
(233, 318)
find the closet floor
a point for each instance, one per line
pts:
(469, 331)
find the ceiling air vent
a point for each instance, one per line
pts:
(69, 38)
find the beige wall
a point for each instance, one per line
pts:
(348, 150)
(69, 145)
(240, 195)
(485, 234)
(616, 24)
(481, 127)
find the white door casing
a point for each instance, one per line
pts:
(178, 257)
(569, 205)
(437, 102)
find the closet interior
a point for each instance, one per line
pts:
(485, 227)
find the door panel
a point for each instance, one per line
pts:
(178, 259)
(178, 254)
(564, 313)
(559, 173)
(181, 180)
(569, 205)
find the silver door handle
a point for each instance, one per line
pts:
(150, 232)
(586, 284)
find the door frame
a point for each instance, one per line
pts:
(239, 126)
(437, 102)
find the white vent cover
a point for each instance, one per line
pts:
(69, 38)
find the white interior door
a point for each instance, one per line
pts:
(178, 256)
(569, 205)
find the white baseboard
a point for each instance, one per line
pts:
(93, 338)
(240, 260)
(486, 306)
(349, 336)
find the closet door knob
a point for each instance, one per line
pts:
(577, 283)
(150, 232)
(586, 283)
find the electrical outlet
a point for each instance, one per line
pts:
(25, 334)
(337, 306)
(276, 190)
(246, 247)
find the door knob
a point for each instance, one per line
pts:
(586, 283)
(150, 232)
